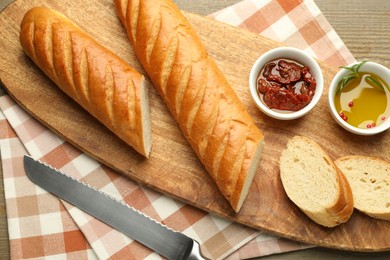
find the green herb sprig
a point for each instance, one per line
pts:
(350, 76)
(355, 75)
(374, 82)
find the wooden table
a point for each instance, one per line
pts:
(363, 25)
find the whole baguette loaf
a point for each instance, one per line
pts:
(210, 115)
(369, 178)
(93, 76)
(314, 183)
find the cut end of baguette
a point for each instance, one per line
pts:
(146, 122)
(249, 178)
(369, 178)
(313, 182)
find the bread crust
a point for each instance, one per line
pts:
(209, 113)
(343, 208)
(93, 76)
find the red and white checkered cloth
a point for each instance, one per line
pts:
(40, 225)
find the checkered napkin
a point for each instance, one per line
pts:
(295, 23)
(42, 225)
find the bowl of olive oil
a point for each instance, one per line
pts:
(359, 98)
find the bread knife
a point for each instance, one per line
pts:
(117, 214)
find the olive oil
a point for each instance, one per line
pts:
(362, 103)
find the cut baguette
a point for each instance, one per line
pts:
(314, 183)
(90, 74)
(369, 178)
(209, 113)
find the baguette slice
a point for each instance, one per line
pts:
(212, 118)
(369, 178)
(314, 183)
(93, 76)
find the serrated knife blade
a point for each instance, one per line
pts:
(129, 221)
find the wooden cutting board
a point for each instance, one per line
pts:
(173, 167)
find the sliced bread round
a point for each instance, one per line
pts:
(314, 183)
(369, 178)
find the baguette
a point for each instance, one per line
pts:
(314, 183)
(369, 178)
(210, 115)
(93, 76)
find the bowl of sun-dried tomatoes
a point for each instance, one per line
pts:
(286, 83)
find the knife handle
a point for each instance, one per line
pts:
(196, 253)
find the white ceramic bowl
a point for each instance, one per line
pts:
(291, 54)
(372, 67)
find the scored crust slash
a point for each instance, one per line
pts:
(212, 118)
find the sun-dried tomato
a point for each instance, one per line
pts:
(286, 85)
